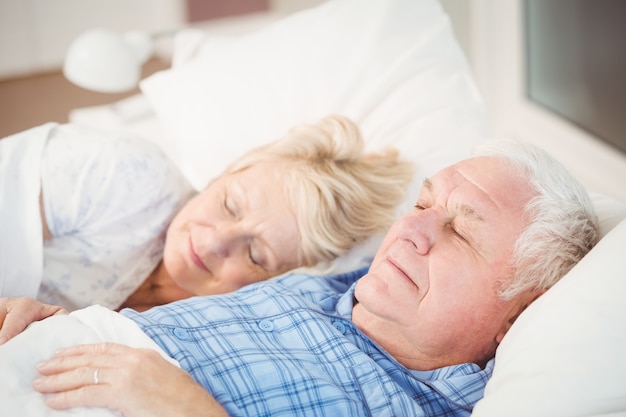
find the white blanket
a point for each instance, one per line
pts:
(108, 200)
(21, 240)
(41, 340)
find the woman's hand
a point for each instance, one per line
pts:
(17, 313)
(135, 382)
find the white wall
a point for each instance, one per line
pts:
(460, 16)
(34, 34)
(290, 6)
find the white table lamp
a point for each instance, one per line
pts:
(104, 61)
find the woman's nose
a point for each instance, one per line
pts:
(221, 242)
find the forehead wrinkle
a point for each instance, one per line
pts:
(469, 211)
(461, 209)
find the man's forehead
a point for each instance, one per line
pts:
(486, 180)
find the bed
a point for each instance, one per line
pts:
(395, 68)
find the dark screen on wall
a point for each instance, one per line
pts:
(576, 63)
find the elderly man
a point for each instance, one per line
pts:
(414, 335)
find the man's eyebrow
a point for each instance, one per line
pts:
(471, 214)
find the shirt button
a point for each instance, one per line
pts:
(181, 334)
(266, 325)
(340, 327)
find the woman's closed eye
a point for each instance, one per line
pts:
(254, 256)
(229, 205)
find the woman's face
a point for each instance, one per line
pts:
(237, 231)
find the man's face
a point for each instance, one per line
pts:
(430, 297)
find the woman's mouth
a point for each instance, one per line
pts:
(195, 258)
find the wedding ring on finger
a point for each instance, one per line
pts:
(96, 379)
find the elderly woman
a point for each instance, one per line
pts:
(110, 229)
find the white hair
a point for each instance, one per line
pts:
(562, 224)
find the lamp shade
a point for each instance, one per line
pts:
(104, 61)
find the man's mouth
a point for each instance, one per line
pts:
(401, 271)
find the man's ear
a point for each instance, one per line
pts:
(523, 301)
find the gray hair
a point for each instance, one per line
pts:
(562, 224)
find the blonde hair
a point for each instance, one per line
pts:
(340, 194)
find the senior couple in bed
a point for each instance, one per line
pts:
(413, 334)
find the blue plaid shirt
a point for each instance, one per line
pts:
(287, 347)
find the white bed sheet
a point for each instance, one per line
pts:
(19, 356)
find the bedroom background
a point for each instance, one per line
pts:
(34, 35)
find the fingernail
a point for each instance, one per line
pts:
(3, 340)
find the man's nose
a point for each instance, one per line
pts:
(422, 229)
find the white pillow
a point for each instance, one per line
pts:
(393, 66)
(610, 211)
(566, 354)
